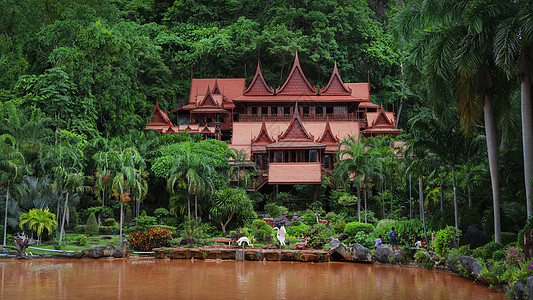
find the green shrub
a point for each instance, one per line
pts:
(520, 238)
(498, 255)
(81, 240)
(407, 230)
(173, 229)
(339, 227)
(507, 237)
(128, 216)
(91, 228)
(262, 232)
(423, 259)
(364, 240)
(73, 218)
(297, 231)
(109, 222)
(310, 218)
(319, 235)
(444, 240)
(480, 253)
(331, 217)
(148, 239)
(109, 230)
(273, 210)
(352, 228)
(144, 222)
(160, 213)
(491, 248)
(465, 250)
(79, 229)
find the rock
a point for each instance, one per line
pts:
(474, 237)
(471, 265)
(383, 252)
(520, 290)
(99, 251)
(343, 237)
(339, 251)
(529, 285)
(453, 264)
(121, 251)
(361, 253)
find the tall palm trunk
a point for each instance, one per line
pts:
(5, 215)
(492, 149)
(196, 207)
(121, 219)
(359, 204)
(421, 201)
(527, 140)
(441, 195)
(366, 193)
(62, 230)
(383, 200)
(455, 208)
(189, 205)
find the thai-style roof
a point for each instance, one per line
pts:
(216, 89)
(229, 88)
(208, 100)
(296, 130)
(381, 122)
(263, 137)
(328, 137)
(159, 116)
(258, 85)
(360, 90)
(335, 85)
(296, 83)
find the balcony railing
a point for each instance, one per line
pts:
(304, 117)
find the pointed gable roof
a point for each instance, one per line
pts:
(208, 99)
(216, 89)
(263, 137)
(296, 83)
(335, 85)
(258, 85)
(382, 118)
(328, 137)
(160, 117)
(296, 130)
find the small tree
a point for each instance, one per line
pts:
(38, 220)
(228, 203)
(91, 227)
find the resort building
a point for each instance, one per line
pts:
(291, 133)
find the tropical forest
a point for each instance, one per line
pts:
(79, 81)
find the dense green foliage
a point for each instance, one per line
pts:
(91, 228)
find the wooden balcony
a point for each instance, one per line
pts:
(304, 117)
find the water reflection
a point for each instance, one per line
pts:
(215, 279)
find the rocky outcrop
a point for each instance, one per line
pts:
(339, 251)
(107, 251)
(384, 254)
(519, 290)
(361, 253)
(471, 265)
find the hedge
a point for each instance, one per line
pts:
(352, 228)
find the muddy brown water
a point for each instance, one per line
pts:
(216, 279)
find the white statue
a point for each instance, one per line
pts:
(243, 240)
(281, 235)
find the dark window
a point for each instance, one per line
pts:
(312, 155)
(278, 156)
(264, 110)
(287, 110)
(319, 110)
(305, 110)
(329, 110)
(274, 110)
(254, 110)
(235, 117)
(327, 161)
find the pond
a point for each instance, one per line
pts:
(216, 279)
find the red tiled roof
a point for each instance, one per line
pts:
(231, 88)
(296, 129)
(368, 105)
(296, 98)
(258, 85)
(296, 83)
(294, 173)
(263, 137)
(335, 85)
(328, 137)
(360, 90)
(293, 144)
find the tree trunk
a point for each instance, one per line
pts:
(359, 204)
(492, 149)
(189, 205)
(5, 215)
(441, 195)
(365, 206)
(421, 201)
(469, 196)
(410, 199)
(383, 200)
(62, 230)
(527, 137)
(121, 219)
(455, 208)
(196, 208)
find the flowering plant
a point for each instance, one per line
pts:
(514, 255)
(148, 239)
(294, 220)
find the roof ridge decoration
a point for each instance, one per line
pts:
(382, 118)
(263, 137)
(296, 83)
(216, 89)
(335, 85)
(296, 129)
(258, 85)
(208, 96)
(160, 115)
(328, 137)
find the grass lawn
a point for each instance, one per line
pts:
(92, 241)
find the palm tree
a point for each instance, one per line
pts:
(70, 182)
(190, 169)
(352, 159)
(513, 51)
(241, 167)
(11, 169)
(38, 220)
